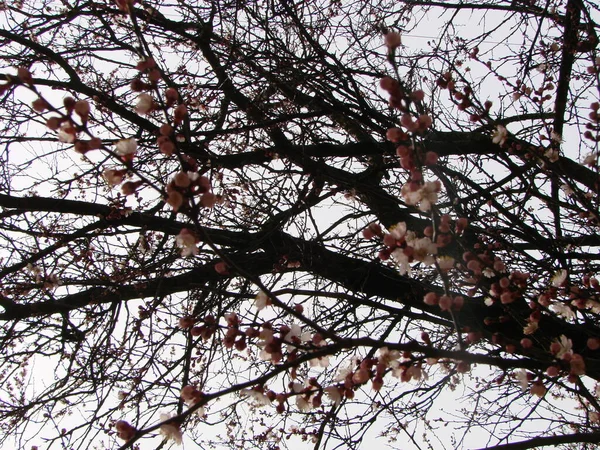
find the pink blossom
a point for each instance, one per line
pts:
(445, 263)
(538, 389)
(170, 430)
(559, 278)
(67, 132)
(124, 430)
(334, 394)
(144, 104)
(393, 40)
(113, 177)
(256, 394)
(564, 347)
(499, 135)
(261, 301)
(126, 147)
(187, 240)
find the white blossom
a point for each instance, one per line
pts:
(521, 376)
(563, 310)
(126, 147)
(170, 430)
(261, 301)
(499, 135)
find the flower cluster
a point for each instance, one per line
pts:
(185, 185)
(124, 430)
(403, 246)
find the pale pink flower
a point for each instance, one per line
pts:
(424, 250)
(389, 358)
(261, 301)
(402, 260)
(293, 336)
(562, 310)
(67, 133)
(321, 361)
(522, 379)
(144, 104)
(303, 403)
(559, 278)
(343, 372)
(113, 177)
(259, 397)
(187, 241)
(445, 262)
(398, 231)
(530, 328)
(126, 147)
(499, 135)
(334, 394)
(170, 430)
(566, 346)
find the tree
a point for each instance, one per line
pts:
(278, 223)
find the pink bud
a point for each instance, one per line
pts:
(445, 303)
(186, 322)
(395, 135)
(431, 299)
(393, 40)
(221, 268)
(526, 343)
(593, 343)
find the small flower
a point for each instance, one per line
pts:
(538, 389)
(393, 40)
(559, 278)
(303, 403)
(562, 310)
(530, 328)
(402, 260)
(257, 394)
(499, 135)
(445, 262)
(144, 104)
(261, 301)
(126, 147)
(521, 376)
(488, 272)
(187, 240)
(389, 358)
(170, 430)
(334, 394)
(67, 133)
(114, 177)
(565, 346)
